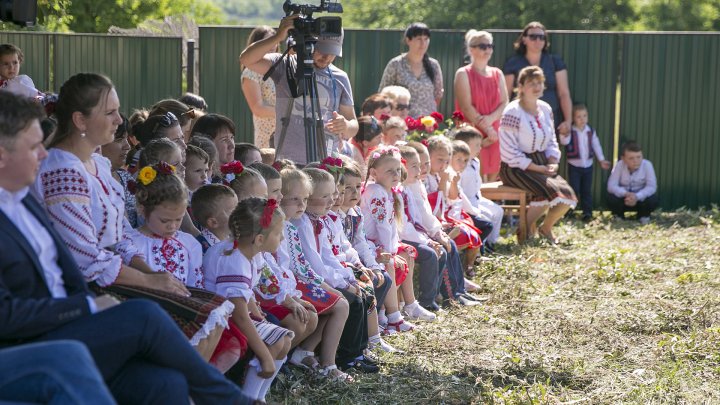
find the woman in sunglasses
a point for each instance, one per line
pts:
(416, 71)
(532, 49)
(481, 95)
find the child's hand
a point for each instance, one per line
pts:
(367, 275)
(444, 175)
(299, 311)
(492, 135)
(380, 279)
(437, 247)
(605, 164)
(268, 368)
(384, 257)
(552, 168)
(308, 306)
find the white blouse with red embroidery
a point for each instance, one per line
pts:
(377, 206)
(89, 213)
(180, 255)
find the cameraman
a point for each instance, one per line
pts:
(334, 92)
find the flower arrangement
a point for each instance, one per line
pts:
(230, 170)
(333, 165)
(422, 128)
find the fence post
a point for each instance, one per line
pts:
(190, 66)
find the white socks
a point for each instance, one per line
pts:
(256, 387)
(395, 317)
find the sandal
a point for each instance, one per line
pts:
(549, 236)
(400, 326)
(304, 359)
(332, 373)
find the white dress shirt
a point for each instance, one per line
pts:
(37, 236)
(642, 181)
(584, 160)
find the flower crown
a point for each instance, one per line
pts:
(333, 165)
(147, 174)
(231, 170)
(386, 150)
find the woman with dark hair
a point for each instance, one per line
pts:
(260, 95)
(221, 130)
(183, 113)
(117, 152)
(86, 205)
(416, 71)
(532, 49)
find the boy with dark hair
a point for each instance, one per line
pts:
(211, 206)
(632, 185)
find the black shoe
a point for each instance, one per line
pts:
(369, 358)
(587, 217)
(361, 367)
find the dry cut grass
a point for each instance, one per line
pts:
(618, 313)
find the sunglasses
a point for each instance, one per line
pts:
(166, 121)
(483, 46)
(536, 37)
(402, 107)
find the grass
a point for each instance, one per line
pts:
(617, 313)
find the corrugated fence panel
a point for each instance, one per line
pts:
(36, 48)
(670, 105)
(220, 83)
(144, 69)
(592, 60)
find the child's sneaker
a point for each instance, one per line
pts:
(415, 312)
(385, 331)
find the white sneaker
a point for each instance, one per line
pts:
(644, 220)
(416, 312)
(386, 347)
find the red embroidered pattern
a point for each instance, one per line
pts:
(63, 183)
(378, 209)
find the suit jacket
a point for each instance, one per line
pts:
(27, 309)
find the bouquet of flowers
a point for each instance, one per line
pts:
(422, 128)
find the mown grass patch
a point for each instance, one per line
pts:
(616, 313)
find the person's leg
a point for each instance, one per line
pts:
(381, 292)
(428, 262)
(533, 214)
(586, 191)
(139, 328)
(59, 372)
(455, 270)
(140, 382)
(575, 178)
(647, 206)
(354, 334)
(554, 214)
(616, 205)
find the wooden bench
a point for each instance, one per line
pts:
(496, 191)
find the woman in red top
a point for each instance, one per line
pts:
(481, 95)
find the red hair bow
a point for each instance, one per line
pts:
(267, 214)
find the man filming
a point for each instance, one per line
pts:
(334, 92)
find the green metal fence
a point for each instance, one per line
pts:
(670, 104)
(144, 69)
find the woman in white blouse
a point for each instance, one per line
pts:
(530, 154)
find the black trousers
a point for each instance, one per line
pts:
(643, 208)
(354, 337)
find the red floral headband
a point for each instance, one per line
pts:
(266, 218)
(231, 170)
(333, 165)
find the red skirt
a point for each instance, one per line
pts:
(400, 265)
(272, 307)
(468, 236)
(321, 299)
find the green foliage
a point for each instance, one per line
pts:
(253, 12)
(88, 16)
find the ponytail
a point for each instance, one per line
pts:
(429, 69)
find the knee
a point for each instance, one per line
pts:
(342, 308)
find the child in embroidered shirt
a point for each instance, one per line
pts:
(471, 180)
(234, 268)
(365, 141)
(331, 306)
(382, 207)
(581, 146)
(211, 206)
(276, 291)
(11, 58)
(389, 315)
(452, 284)
(197, 169)
(315, 239)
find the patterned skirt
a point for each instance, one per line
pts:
(271, 333)
(544, 189)
(197, 316)
(321, 299)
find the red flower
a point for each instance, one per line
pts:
(435, 127)
(458, 115)
(425, 142)
(234, 167)
(277, 165)
(384, 117)
(438, 117)
(268, 212)
(412, 123)
(164, 168)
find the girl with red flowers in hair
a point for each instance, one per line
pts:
(234, 269)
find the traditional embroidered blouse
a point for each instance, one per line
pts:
(180, 255)
(230, 273)
(417, 194)
(522, 133)
(377, 206)
(318, 252)
(89, 213)
(354, 227)
(276, 282)
(290, 256)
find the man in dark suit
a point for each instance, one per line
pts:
(142, 355)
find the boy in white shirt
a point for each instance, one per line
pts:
(581, 146)
(632, 185)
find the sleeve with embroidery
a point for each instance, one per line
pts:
(312, 254)
(364, 248)
(126, 247)
(379, 214)
(66, 195)
(509, 133)
(233, 275)
(290, 256)
(330, 259)
(196, 274)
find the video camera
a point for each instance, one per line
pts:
(307, 26)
